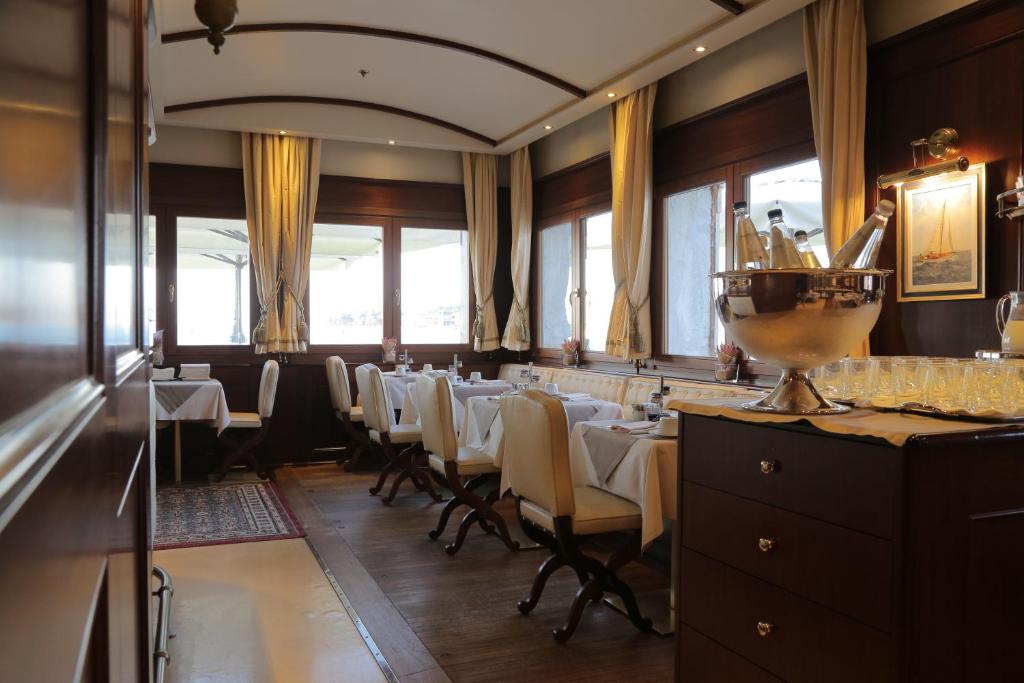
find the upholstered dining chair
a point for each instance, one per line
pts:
(455, 463)
(379, 416)
(255, 426)
(559, 515)
(350, 415)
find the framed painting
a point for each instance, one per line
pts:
(941, 237)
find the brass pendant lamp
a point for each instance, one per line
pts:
(218, 16)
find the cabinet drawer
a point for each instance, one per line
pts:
(806, 642)
(839, 568)
(702, 660)
(842, 481)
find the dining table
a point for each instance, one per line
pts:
(482, 429)
(461, 392)
(179, 400)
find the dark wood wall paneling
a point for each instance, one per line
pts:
(74, 564)
(303, 418)
(964, 71)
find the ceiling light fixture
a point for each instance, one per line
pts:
(283, 132)
(391, 142)
(700, 48)
(218, 16)
(547, 126)
(611, 94)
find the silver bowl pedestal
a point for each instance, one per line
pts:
(798, 320)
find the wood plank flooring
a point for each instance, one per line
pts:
(421, 605)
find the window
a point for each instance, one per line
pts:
(796, 189)
(434, 296)
(556, 284)
(599, 288)
(695, 247)
(212, 281)
(575, 256)
(346, 284)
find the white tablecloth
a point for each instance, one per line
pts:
(202, 400)
(396, 386)
(462, 393)
(482, 429)
(647, 475)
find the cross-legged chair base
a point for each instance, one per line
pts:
(596, 578)
(481, 510)
(408, 463)
(235, 451)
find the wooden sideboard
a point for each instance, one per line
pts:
(806, 556)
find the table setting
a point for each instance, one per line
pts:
(193, 396)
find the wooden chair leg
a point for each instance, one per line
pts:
(446, 512)
(585, 594)
(547, 568)
(402, 476)
(500, 527)
(389, 467)
(467, 521)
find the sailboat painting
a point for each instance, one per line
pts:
(941, 233)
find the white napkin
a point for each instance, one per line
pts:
(634, 427)
(160, 374)
(194, 371)
(574, 397)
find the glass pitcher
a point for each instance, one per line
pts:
(1010, 323)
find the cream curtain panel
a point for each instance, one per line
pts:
(282, 178)
(480, 176)
(835, 49)
(517, 330)
(630, 126)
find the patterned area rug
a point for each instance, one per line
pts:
(214, 514)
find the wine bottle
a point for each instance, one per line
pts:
(750, 252)
(861, 250)
(803, 247)
(783, 253)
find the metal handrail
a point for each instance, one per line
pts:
(161, 657)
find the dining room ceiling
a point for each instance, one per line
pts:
(480, 75)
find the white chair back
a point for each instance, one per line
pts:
(437, 419)
(268, 388)
(536, 433)
(337, 381)
(378, 411)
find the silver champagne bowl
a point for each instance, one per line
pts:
(797, 320)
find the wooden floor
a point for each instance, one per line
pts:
(439, 618)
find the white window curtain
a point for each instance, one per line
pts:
(517, 330)
(479, 174)
(835, 49)
(282, 177)
(630, 126)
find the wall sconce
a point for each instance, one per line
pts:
(942, 144)
(218, 16)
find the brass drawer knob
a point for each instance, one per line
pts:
(769, 466)
(766, 545)
(764, 628)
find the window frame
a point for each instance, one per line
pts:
(660, 274)
(388, 236)
(167, 239)
(396, 265)
(576, 219)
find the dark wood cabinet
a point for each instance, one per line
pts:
(806, 556)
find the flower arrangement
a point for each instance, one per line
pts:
(729, 353)
(727, 369)
(570, 352)
(389, 345)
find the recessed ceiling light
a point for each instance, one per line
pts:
(611, 94)
(391, 142)
(700, 48)
(283, 132)
(547, 126)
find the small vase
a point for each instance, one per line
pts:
(570, 359)
(389, 355)
(727, 372)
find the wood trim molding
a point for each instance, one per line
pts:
(332, 101)
(374, 32)
(731, 6)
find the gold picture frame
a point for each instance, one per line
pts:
(940, 232)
